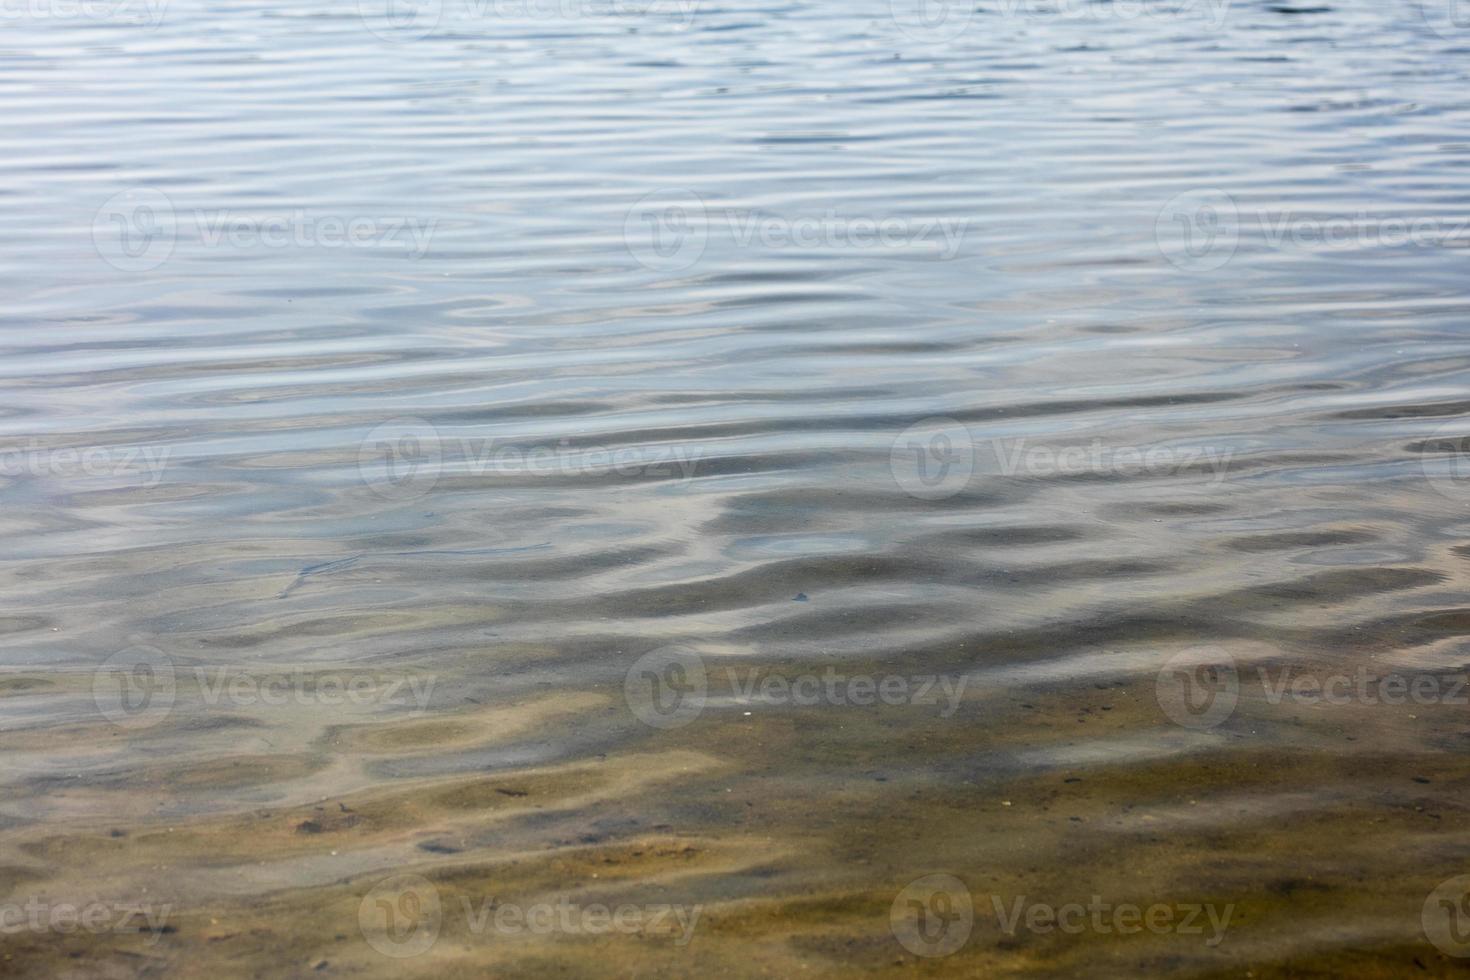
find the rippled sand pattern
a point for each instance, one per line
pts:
(727, 463)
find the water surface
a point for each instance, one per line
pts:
(748, 457)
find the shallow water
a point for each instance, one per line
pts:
(738, 460)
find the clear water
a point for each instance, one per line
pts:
(745, 458)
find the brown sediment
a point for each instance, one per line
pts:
(794, 830)
(462, 729)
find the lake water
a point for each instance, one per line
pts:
(606, 487)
